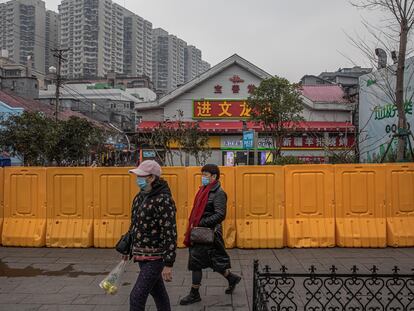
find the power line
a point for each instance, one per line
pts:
(88, 101)
(78, 95)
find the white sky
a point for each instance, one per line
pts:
(288, 38)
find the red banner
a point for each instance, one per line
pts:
(221, 109)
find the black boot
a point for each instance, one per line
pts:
(191, 298)
(233, 279)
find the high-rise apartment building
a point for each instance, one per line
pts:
(137, 45)
(168, 61)
(23, 32)
(104, 37)
(79, 35)
(204, 66)
(117, 39)
(86, 29)
(51, 38)
(100, 37)
(193, 62)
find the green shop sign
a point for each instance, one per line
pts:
(390, 110)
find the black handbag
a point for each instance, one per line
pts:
(202, 235)
(125, 243)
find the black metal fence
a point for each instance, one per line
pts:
(332, 291)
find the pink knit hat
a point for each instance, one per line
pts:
(148, 167)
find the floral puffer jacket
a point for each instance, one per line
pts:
(153, 224)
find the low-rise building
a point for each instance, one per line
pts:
(217, 99)
(101, 101)
(21, 79)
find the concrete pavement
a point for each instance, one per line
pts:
(67, 279)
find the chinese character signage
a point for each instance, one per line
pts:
(235, 88)
(221, 109)
(296, 142)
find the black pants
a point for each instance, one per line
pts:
(150, 282)
(197, 276)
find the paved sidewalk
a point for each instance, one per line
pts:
(67, 279)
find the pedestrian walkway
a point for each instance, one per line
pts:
(67, 279)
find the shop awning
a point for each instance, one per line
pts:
(237, 126)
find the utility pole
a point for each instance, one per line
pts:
(256, 144)
(58, 53)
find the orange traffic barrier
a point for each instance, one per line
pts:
(310, 205)
(400, 204)
(1, 200)
(177, 180)
(114, 191)
(260, 210)
(227, 182)
(69, 207)
(24, 207)
(360, 205)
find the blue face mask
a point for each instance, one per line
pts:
(205, 180)
(142, 183)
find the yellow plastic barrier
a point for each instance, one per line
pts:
(69, 207)
(24, 207)
(400, 205)
(227, 182)
(260, 210)
(177, 180)
(1, 200)
(310, 206)
(360, 205)
(114, 191)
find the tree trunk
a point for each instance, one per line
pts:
(399, 92)
(277, 141)
(180, 151)
(171, 158)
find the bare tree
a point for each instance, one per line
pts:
(178, 137)
(195, 143)
(161, 138)
(393, 36)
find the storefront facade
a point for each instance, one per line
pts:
(218, 101)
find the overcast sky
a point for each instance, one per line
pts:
(289, 38)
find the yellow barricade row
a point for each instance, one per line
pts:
(1, 200)
(310, 206)
(227, 182)
(69, 207)
(24, 207)
(114, 191)
(260, 210)
(400, 205)
(360, 205)
(364, 205)
(177, 180)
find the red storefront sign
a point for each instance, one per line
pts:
(221, 109)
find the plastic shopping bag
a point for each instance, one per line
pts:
(111, 283)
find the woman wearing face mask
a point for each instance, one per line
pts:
(209, 210)
(155, 237)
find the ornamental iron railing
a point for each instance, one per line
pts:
(332, 291)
